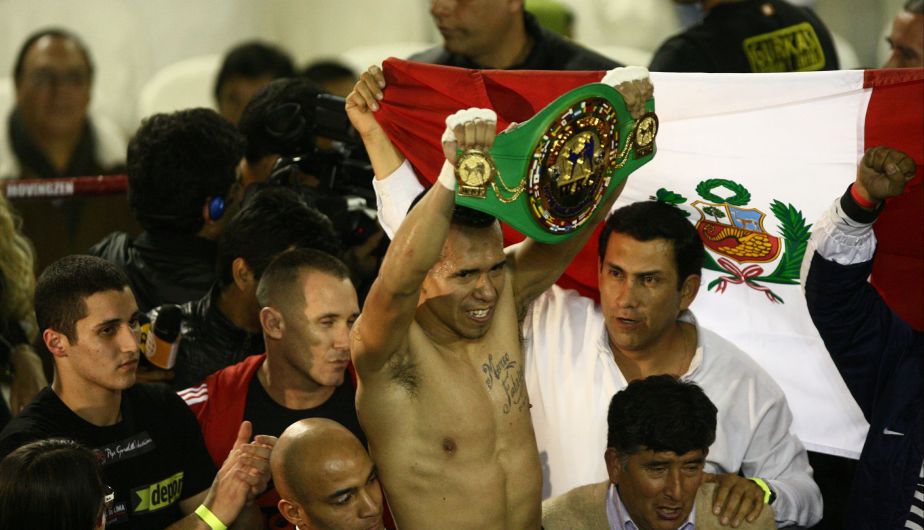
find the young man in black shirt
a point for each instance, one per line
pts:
(308, 308)
(152, 454)
(744, 36)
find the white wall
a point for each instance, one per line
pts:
(131, 39)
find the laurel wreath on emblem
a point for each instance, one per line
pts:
(793, 229)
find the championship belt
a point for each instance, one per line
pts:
(546, 177)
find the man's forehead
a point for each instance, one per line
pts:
(650, 455)
(624, 250)
(107, 305)
(53, 50)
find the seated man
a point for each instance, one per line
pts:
(880, 357)
(181, 173)
(223, 327)
(308, 307)
(325, 478)
(149, 446)
(246, 69)
(49, 133)
(744, 36)
(578, 353)
(660, 430)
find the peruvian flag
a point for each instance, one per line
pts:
(754, 159)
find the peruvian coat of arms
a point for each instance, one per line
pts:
(737, 241)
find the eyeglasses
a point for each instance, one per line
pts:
(44, 78)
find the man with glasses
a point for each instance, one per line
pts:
(49, 133)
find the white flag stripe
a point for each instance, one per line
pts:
(792, 138)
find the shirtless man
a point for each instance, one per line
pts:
(441, 392)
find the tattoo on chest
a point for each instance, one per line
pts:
(509, 375)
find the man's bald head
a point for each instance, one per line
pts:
(325, 477)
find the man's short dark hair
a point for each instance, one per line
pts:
(650, 220)
(62, 289)
(321, 72)
(661, 413)
(915, 6)
(252, 60)
(175, 162)
(50, 484)
(280, 118)
(59, 33)
(272, 221)
(461, 215)
(281, 276)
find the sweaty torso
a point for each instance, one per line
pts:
(449, 429)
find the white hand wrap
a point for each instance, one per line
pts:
(447, 178)
(463, 116)
(618, 76)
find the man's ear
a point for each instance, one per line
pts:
(688, 290)
(272, 322)
(293, 513)
(613, 465)
(56, 342)
(241, 274)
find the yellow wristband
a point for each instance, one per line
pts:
(768, 493)
(209, 518)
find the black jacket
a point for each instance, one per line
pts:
(210, 342)
(752, 36)
(161, 268)
(550, 52)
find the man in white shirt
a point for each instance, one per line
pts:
(579, 353)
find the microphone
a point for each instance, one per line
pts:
(162, 340)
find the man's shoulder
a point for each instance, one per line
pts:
(114, 248)
(45, 417)
(569, 55)
(726, 361)
(581, 507)
(434, 55)
(227, 385)
(706, 520)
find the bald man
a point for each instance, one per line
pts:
(325, 478)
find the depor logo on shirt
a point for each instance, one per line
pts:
(131, 447)
(159, 495)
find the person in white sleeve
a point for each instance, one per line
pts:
(579, 353)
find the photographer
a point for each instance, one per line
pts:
(299, 137)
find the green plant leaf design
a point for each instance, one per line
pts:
(796, 234)
(741, 194)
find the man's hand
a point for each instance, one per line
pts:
(469, 129)
(243, 476)
(882, 173)
(633, 83)
(364, 100)
(28, 378)
(736, 498)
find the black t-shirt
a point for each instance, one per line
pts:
(153, 458)
(750, 36)
(269, 417)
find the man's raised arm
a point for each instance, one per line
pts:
(382, 329)
(536, 266)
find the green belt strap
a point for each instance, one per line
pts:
(550, 173)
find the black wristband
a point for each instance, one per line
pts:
(858, 213)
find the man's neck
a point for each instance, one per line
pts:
(99, 406)
(288, 387)
(511, 51)
(58, 149)
(230, 303)
(709, 4)
(671, 354)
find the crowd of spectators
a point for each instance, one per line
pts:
(337, 367)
